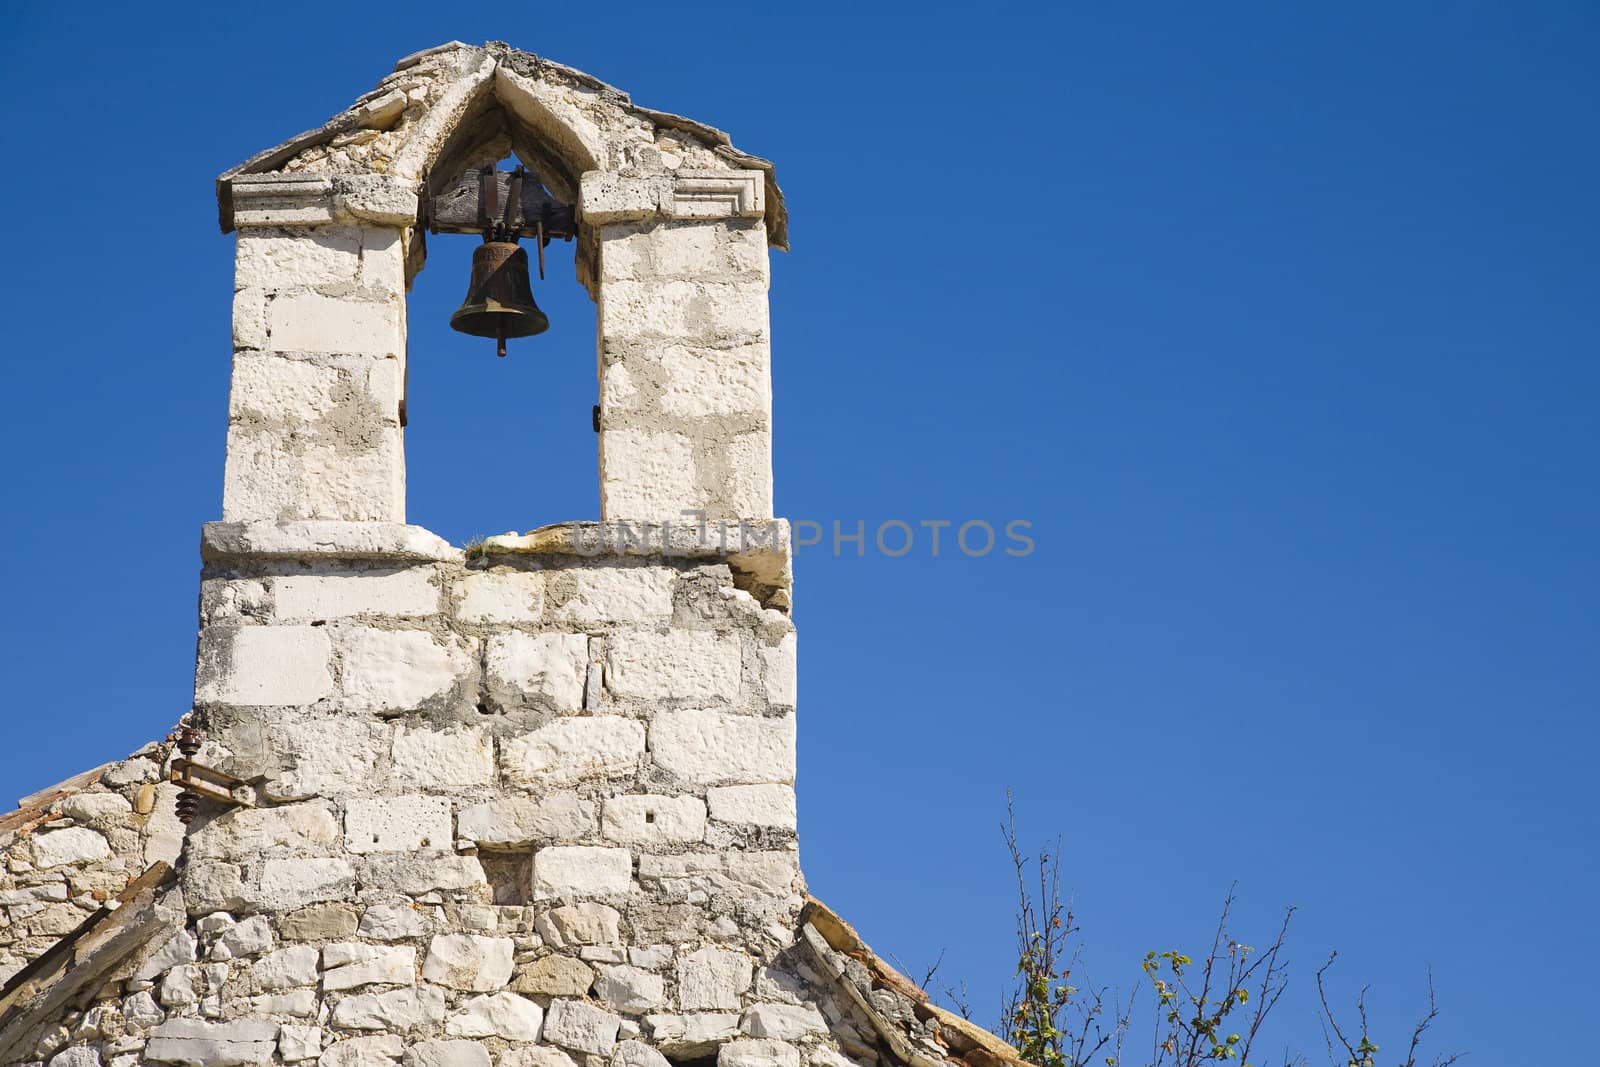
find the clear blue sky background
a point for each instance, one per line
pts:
(1277, 321)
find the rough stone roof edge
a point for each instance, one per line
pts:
(985, 1049)
(523, 62)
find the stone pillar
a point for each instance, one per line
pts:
(685, 364)
(319, 351)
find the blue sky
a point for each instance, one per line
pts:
(1276, 321)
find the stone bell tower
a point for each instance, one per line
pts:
(530, 803)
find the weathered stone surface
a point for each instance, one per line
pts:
(244, 833)
(77, 1056)
(249, 938)
(693, 666)
(758, 1053)
(500, 596)
(285, 884)
(447, 1054)
(566, 871)
(571, 750)
(265, 665)
(398, 670)
(399, 594)
(326, 757)
(555, 976)
(397, 824)
(94, 807)
(287, 968)
(637, 1054)
(75, 845)
(422, 872)
(779, 673)
(645, 819)
(400, 1010)
(713, 979)
(630, 989)
(784, 1022)
(718, 748)
(588, 923)
(353, 964)
(694, 1034)
(522, 821)
(540, 671)
(576, 1025)
(500, 1015)
(297, 1044)
(442, 759)
(180, 948)
(196, 1043)
(603, 595)
(392, 922)
(382, 1051)
(308, 322)
(320, 922)
(535, 1056)
(753, 805)
(469, 962)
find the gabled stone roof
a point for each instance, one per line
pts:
(457, 105)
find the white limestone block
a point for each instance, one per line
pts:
(267, 665)
(400, 1010)
(630, 989)
(273, 473)
(74, 845)
(503, 1015)
(543, 671)
(249, 938)
(196, 1043)
(296, 1043)
(747, 464)
(447, 1054)
(783, 1022)
(415, 874)
(692, 1034)
(646, 475)
(284, 258)
(245, 833)
(754, 805)
(397, 824)
(397, 670)
(94, 807)
(637, 1054)
(779, 672)
(287, 968)
(400, 594)
(392, 922)
(570, 750)
(329, 756)
(522, 821)
(719, 748)
(685, 665)
(587, 923)
(310, 322)
(442, 759)
(713, 979)
(567, 871)
(535, 1056)
(688, 251)
(500, 596)
(286, 884)
(758, 1053)
(469, 962)
(617, 594)
(675, 309)
(649, 819)
(179, 949)
(382, 1051)
(582, 1027)
(353, 964)
(702, 382)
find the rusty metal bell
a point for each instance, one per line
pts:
(499, 301)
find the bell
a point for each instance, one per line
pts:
(499, 301)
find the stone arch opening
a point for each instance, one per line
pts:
(672, 231)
